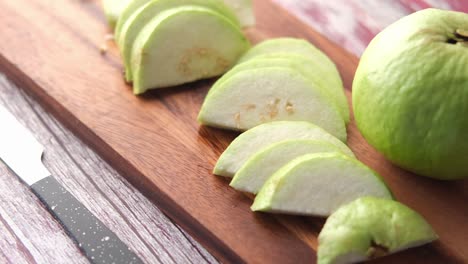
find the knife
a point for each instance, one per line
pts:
(22, 153)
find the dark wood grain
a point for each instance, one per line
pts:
(156, 143)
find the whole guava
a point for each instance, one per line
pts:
(410, 93)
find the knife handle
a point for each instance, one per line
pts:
(97, 242)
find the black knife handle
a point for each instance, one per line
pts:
(97, 242)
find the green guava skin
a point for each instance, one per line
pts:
(410, 93)
(350, 233)
(241, 8)
(113, 9)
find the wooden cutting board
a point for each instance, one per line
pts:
(52, 50)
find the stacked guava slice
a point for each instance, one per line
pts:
(289, 99)
(296, 167)
(164, 43)
(279, 79)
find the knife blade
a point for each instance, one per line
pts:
(22, 153)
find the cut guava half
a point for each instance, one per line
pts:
(259, 137)
(370, 227)
(256, 96)
(264, 163)
(318, 184)
(241, 8)
(113, 9)
(184, 44)
(137, 21)
(309, 69)
(328, 74)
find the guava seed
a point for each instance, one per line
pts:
(377, 250)
(462, 33)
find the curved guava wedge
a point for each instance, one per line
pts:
(291, 48)
(113, 9)
(244, 11)
(136, 22)
(318, 184)
(308, 68)
(328, 74)
(264, 163)
(257, 96)
(184, 44)
(241, 8)
(259, 137)
(130, 8)
(370, 227)
(290, 45)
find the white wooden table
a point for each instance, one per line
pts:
(29, 234)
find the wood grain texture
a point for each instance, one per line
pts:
(29, 234)
(166, 119)
(353, 23)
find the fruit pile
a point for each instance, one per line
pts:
(300, 165)
(279, 79)
(289, 99)
(410, 93)
(295, 167)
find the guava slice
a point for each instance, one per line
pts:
(370, 227)
(291, 48)
(148, 11)
(290, 45)
(259, 137)
(318, 184)
(252, 97)
(129, 9)
(264, 163)
(329, 74)
(308, 68)
(241, 8)
(184, 44)
(113, 9)
(244, 11)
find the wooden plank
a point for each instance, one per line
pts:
(155, 141)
